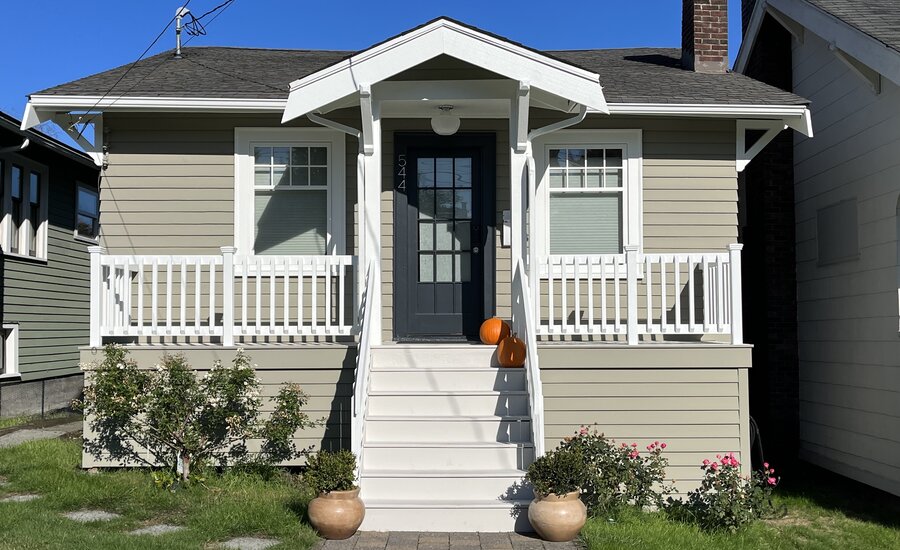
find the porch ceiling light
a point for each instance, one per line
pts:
(445, 123)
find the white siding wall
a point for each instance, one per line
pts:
(848, 312)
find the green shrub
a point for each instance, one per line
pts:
(328, 471)
(619, 475)
(726, 500)
(559, 471)
(184, 421)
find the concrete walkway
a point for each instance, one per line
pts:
(33, 434)
(443, 541)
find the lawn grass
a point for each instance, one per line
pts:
(822, 511)
(227, 506)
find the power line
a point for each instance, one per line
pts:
(128, 70)
(196, 28)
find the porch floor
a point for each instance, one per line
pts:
(411, 540)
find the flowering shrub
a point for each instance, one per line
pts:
(619, 475)
(559, 471)
(180, 420)
(725, 498)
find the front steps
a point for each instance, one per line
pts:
(447, 440)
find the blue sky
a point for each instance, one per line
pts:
(60, 41)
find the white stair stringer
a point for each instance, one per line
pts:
(447, 441)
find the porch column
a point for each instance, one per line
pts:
(371, 135)
(95, 338)
(518, 162)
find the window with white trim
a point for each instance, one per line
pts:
(589, 194)
(289, 192)
(9, 351)
(87, 214)
(23, 230)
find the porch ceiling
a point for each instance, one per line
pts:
(561, 85)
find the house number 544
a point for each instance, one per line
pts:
(401, 171)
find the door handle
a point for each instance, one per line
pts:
(476, 250)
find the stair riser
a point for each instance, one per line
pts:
(449, 405)
(462, 356)
(409, 379)
(449, 431)
(447, 488)
(491, 520)
(450, 458)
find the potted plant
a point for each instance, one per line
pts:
(557, 513)
(338, 511)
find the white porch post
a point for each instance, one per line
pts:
(631, 267)
(518, 181)
(737, 306)
(95, 339)
(371, 130)
(227, 297)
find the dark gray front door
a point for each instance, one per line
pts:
(443, 235)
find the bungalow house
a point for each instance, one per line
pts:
(49, 218)
(842, 216)
(350, 218)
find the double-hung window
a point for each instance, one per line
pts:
(289, 191)
(589, 192)
(87, 215)
(23, 231)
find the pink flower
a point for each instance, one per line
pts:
(714, 466)
(765, 465)
(719, 457)
(655, 443)
(706, 462)
(649, 447)
(583, 431)
(662, 445)
(772, 471)
(772, 481)
(634, 444)
(633, 454)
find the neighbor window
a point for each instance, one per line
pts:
(589, 191)
(9, 351)
(290, 192)
(87, 220)
(24, 228)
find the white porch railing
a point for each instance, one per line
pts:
(636, 294)
(226, 296)
(525, 326)
(363, 364)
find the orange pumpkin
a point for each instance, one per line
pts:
(493, 331)
(511, 352)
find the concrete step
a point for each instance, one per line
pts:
(448, 403)
(457, 429)
(434, 355)
(411, 455)
(447, 484)
(427, 514)
(448, 379)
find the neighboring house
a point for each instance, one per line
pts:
(845, 57)
(50, 216)
(302, 205)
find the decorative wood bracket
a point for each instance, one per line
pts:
(743, 154)
(365, 105)
(74, 124)
(519, 114)
(871, 77)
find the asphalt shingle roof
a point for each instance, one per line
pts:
(640, 75)
(880, 19)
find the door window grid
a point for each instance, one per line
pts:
(445, 214)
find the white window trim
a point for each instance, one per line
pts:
(246, 138)
(630, 141)
(78, 236)
(28, 166)
(10, 343)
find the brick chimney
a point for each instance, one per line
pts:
(704, 35)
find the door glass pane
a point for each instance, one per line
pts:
(613, 178)
(557, 158)
(576, 158)
(444, 268)
(281, 176)
(613, 158)
(300, 176)
(444, 204)
(300, 156)
(426, 204)
(426, 236)
(557, 178)
(261, 177)
(595, 158)
(443, 235)
(463, 273)
(425, 170)
(281, 155)
(318, 176)
(462, 237)
(593, 178)
(262, 155)
(426, 268)
(463, 204)
(463, 172)
(576, 178)
(444, 172)
(318, 156)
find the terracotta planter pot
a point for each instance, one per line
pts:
(557, 518)
(338, 514)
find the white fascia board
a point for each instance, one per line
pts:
(795, 116)
(443, 37)
(137, 103)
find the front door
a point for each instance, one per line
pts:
(443, 235)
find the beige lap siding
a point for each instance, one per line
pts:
(692, 397)
(325, 372)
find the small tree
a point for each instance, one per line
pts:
(169, 417)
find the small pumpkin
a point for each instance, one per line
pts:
(511, 352)
(493, 331)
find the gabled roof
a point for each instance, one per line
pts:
(866, 30)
